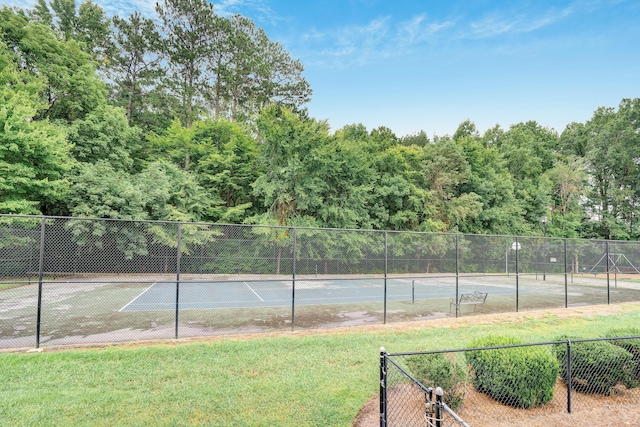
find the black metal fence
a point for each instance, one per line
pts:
(549, 383)
(75, 280)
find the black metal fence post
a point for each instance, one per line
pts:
(293, 279)
(457, 271)
(566, 284)
(178, 276)
(40, 277)
(517, 274)
(439, 394)
(568, 376)
(606, 243)
(386, 258)
(383, 387)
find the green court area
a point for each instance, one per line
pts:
(127, 308)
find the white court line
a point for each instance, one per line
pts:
(134, 300)
(251, 289)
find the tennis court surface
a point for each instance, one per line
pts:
(273, 293)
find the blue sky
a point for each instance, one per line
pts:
(429, 65)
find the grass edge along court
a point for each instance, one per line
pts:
(315, 378)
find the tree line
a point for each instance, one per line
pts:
(192, 116)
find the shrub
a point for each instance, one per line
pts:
(440, 370)
(597, 366)
(632, 345)
(523, 377)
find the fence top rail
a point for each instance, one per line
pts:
(498, 347)
(310, 228)
(454, 415)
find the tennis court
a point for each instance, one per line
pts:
(273, 293)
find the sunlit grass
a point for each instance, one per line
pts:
(294, 379)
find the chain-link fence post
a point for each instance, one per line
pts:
(439, 394)
(569, 376)
(178, 276)
(40, 277)
(293, 280)
(566, 284)
(606, 245)
(517, 274)
(383, 387)
(386, 257)
(457, 272)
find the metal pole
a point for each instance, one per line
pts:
(40, 276)
(293, 279)
(517, 274)
(544, 253)
(457, 270)
(385, 277)
(608, 288)
(178, 276)
(568, 376)
(439, 394)
(383, 387)
(506, 261)
(413, 292)
(566, 285)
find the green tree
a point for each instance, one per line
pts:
(105, 135)
(529, 151)
(65, 16)
(287, 189)
(42, 13)
(93, 30)
(135, 69)
(178, 144)
(490, 179)
(228, 168)
(170, 193)
(568, 179)
(614, 150)
(188, 27)
(34, 155)
(71, 86)
(401, 189)
(446, 170)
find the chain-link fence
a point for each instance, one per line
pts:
(550, 383)
(405, 401)
(72, 280)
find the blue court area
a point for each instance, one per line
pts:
(275, 293)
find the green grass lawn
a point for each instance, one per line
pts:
(293, 379)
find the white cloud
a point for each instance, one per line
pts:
(124, 8)
(379, 38)
(497, 24)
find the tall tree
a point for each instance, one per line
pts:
(42, 13)
(135, 68)
(228, 168)
(614, 150)
(251, 71)
(529, 151)
(446, 169)
(93, 30)
(65, 16)
(188, 28)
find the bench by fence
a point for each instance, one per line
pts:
(475, 299)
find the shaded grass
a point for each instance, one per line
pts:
(312, 380)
